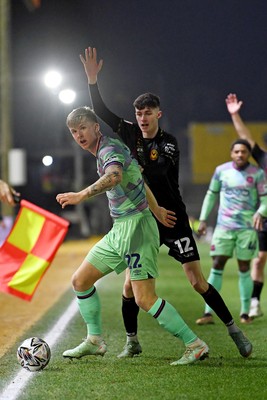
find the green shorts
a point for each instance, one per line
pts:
(132, 242)
(243, 241)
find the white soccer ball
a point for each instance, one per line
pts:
(34, 354)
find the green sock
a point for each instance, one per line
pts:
(245, 290)
(170, 319)
(90, 309)
(215, 279)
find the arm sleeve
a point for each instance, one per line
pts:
(260, 156)
(101, 109)
(211, 195)
(208, 205)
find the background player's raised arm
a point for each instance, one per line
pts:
(234, 106)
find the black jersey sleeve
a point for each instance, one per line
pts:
(126, 130)
(101, 109)
(260, 156)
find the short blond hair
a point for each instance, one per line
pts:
(78, 114)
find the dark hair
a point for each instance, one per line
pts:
(241, 141)
(146, 100)
(78, 114)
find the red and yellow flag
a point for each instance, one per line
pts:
(29, 249)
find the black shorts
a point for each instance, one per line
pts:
(262, 235)
(180, 241)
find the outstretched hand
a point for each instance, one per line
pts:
(232, 103)
(166, 217)
(91, 65)
(70, 198)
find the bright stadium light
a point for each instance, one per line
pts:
(67, 96)
(47, 160)
(52, 79)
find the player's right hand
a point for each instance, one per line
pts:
(202, 229)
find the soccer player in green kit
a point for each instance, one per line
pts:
(133, 241)
(240, 186)
(158, 153)
(260, 156)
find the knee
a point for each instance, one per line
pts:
(197, 281)
(195, 276)
(77, 282)
(200, 285)
(260, 261)
(145, 302)
(218, 264)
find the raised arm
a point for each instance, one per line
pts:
(234, 106)
(92, 67)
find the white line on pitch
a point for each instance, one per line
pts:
(15, 387)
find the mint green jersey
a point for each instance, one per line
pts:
(242, 192)
(129, 197)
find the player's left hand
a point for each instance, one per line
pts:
(166, 217)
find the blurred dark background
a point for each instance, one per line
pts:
(191, 53)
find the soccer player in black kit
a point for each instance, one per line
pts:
(158, 154)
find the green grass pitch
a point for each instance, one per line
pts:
(224, 375)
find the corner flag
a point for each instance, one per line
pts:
(29, 249)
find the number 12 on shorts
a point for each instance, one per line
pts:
(183, 245)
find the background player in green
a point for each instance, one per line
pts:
(241, 186)
(133, 241)
(158, 153)
(260, 156)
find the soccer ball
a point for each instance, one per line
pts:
(33, 354)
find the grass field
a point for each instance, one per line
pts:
(225, 375)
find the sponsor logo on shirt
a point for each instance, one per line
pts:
(236, 192)
(250, 179)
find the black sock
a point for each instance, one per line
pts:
(130, 312)
(215, 301)
(257, 288)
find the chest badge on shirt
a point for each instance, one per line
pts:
(154, 155)
(250, 179)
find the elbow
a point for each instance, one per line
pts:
(115, 179)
